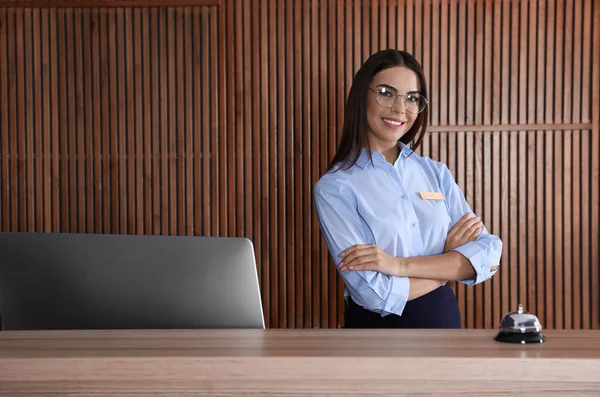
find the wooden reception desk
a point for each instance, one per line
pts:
(296, 362)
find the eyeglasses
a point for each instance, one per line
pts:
(386, 97)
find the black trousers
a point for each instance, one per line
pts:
(437, 309)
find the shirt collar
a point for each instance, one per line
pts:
(364, 159)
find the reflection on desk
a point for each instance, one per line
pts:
(296, 362)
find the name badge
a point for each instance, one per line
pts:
(432, 195)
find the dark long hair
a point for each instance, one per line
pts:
(354, 133)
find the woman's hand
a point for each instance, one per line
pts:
(370, 257)
(466, 229)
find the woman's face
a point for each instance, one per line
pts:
(387, 125)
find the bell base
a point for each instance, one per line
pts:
(511, 337)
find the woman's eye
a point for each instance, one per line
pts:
(412, 98)
(385, 92)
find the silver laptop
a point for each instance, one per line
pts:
(87, 281)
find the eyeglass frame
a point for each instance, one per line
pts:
(398, 95)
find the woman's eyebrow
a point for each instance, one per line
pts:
(388, 86)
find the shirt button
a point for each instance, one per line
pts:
(403, 197)
(414, 224)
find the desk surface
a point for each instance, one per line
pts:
(296, 362)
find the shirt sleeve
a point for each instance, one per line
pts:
(342, 227)
(483, 253)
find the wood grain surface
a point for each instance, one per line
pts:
(296, 362)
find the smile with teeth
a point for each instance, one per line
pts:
(394, 123)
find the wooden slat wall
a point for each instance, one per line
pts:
(219, 120)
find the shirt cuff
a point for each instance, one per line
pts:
(473, 253)
(397, 297)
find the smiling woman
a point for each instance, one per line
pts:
(397, 225)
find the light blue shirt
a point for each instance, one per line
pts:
(379, 203)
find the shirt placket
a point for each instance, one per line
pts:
(413, 224)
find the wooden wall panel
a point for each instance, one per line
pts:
(218, 120)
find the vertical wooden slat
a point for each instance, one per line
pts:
(510, 108)
(103, 154)
(265, 148)
(114, 134)
(478, 309)
(317, 41)
(372, 37)
(521, 159)
(445, 59)
(96, 93)
(12, 109)
(488, 201)
(295, 152)
(163, 142)
(595, 168)
(121, 124)
(21, 132)
(549, 218)
(532, 242)
(576, 117)
(203, 137)
(29, 122)
(453, 79)
(200, 93)
(52, 178)
(558, 162)
(323, 117)
(392, 24)
(131, 153)
(477, 15)
(540, 177)
(551, 249)
(170, 124)
(382, 22)
(186, 204)
(524, 288)
(81, 131)
(70, 137)
(364, 38)
(216, 126)
(504, 227)
(288, 224)
(304, 183)
(497, 224)
(489, 321)
(281, 139)
(136, 104)
(178, 190)
(270, 90)
(63, 127)
(45, 125)
(148, 113)
(4, 121)
(256, 143)
(155, 83)
(86, 149)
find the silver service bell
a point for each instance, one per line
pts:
(520, 327)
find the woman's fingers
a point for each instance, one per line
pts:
(353, 249)
(467, 228)
(476, 232)
(356, 251)
(363, 262)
